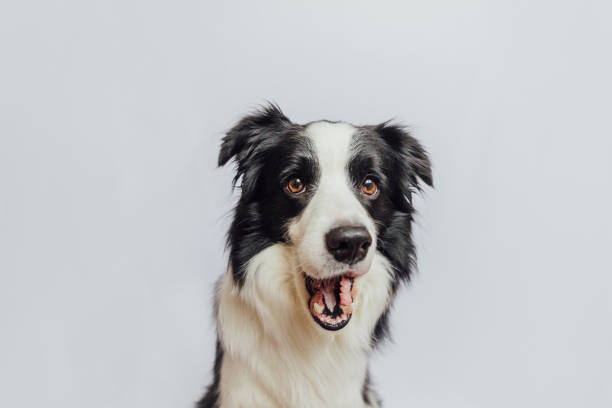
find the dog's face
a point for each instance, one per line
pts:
(336, 193)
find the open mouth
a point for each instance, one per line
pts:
(331, 300)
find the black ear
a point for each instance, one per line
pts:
(249, 141)
(411, 160)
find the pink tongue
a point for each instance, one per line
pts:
(324, 294)
(328, 294)
(346, 298)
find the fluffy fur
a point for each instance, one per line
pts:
(270, 351)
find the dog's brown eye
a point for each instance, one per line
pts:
(295, 186)
(369, 187)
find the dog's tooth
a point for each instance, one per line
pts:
(348, 309)
(318, 308)
(354, 291)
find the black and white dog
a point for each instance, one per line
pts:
(319, 243)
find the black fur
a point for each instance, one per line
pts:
(269, 150)
(367, 394)
(211, 397)
(396, 161)
(265, 146)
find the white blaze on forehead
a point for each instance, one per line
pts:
(333, 143)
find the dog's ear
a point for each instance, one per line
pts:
(249, 143)
(412, 164)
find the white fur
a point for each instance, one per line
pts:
(276, 356)
(333, 204)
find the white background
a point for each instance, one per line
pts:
(112, 214)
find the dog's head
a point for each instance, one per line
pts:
(337, 194)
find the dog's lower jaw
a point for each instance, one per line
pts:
(274, 355)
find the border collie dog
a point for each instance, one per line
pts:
(319, 243)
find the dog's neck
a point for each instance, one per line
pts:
(273, 352)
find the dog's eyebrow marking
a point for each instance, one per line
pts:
(303, 163)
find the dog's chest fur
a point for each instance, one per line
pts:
(274, 356)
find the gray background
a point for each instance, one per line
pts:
(112, 214)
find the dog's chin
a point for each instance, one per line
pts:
(331, 300)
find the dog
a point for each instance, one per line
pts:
(319, 244)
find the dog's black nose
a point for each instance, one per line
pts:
(348, 244)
